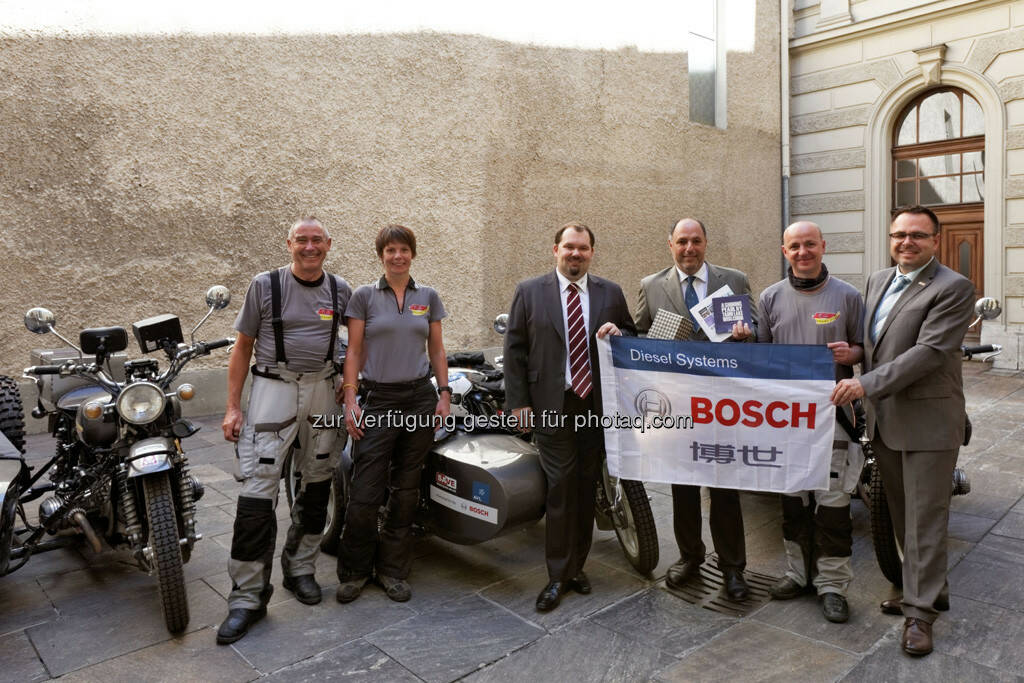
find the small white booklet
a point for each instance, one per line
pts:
(704, 314)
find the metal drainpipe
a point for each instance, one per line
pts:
(784, 15)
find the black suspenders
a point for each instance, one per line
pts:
(278, 323)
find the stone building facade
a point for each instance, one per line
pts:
(902, 100)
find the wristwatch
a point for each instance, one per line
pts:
(445, 388)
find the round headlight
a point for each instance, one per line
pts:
(141, 403)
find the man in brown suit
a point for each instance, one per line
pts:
(916, 315)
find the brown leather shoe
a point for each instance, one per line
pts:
(917, 637)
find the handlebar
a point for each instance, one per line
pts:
(43, 370)
(220, 343)
(969, 351)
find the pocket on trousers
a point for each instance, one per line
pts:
(853, 463)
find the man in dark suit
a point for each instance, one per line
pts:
(551, 376)
(915, 318)
(676, 289)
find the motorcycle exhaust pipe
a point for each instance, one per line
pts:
(80, 520)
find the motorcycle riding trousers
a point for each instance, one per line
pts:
(817, 530)
(282, 416)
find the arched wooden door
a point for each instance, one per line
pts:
(938, 158)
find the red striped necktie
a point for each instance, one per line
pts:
(579, 359)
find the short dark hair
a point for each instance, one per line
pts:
(919, 210)
(672, 228)
(395, 233)
(577, 226)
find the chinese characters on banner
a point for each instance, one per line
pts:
(742, 416)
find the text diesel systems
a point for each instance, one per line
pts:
(682, 360)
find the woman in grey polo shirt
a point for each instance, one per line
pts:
(394, 337)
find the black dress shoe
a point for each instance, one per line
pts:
(894, 606)
(835, 608)
(735, 585)
(681, 572)
(581, 584)
(305, 588)
(550, 596)
(238, 622)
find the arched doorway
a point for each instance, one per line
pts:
(938, 161)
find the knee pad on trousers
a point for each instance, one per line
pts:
(796, 518)
(255, 529)
(314, 499)
(834, 531)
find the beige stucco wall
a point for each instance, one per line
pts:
(138, 170)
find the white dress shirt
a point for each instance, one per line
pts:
(700, 282)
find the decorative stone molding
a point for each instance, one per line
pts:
(834, 13)
(930, 61)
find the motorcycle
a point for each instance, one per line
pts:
(119, 471)
(483, 479)
(870, 488)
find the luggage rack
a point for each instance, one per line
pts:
(708, 594)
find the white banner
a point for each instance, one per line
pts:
(737, 416)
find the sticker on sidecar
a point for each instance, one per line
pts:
(463, 506)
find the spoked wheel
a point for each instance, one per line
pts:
(166, 558)
(633, 519)
(335, 504)
(883, 537)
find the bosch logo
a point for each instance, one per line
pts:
(477, 511)
(651, 402)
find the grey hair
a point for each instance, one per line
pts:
(308, 220)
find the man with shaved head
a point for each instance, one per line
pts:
(677, 289)
(812, 307)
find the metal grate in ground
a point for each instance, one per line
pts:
(707, 591)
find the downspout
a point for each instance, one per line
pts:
(784, 15)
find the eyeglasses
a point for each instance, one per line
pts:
(915, 236)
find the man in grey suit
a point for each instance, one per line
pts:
(915, 318)
(676, 289)
(551, 376)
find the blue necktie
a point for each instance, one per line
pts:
(691, 294)
(892, 295)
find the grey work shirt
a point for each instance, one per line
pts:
(307, 312)
(395, 340)
(834, 312)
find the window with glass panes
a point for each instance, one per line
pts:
(939, 150)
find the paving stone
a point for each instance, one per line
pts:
(292, 632)
(519, 594)
(355, 661)
(193, 657)
(583, 652)
(208, 559)
(455, 639)
(99, 621)
(212, 521)
(753, 651)
(889, 663)
(991, 506)
(24, 603)
(20, 662)
(991, 573)
(444, 574)
(59, 561)
(1011, 525)
(987, 634)
(971, 528)
(656, 616)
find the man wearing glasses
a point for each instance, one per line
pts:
(916, 315)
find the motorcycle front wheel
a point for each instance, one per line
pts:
(166, 558)
(883, 537)
(631, 514)
(335, 504)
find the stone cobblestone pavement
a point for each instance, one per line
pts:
(77, 616)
